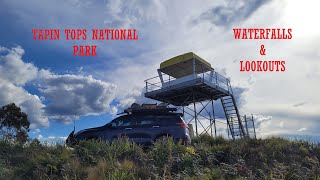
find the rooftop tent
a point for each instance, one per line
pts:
(184, 65)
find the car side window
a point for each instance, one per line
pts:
(165, 120)
(123, 121)
(145, 120)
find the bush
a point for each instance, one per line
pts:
(208, 158)
(209, 140)
(91, 151)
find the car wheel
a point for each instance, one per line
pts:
(163, 138)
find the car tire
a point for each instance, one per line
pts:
(163, 138)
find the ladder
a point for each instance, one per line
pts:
(233, 117)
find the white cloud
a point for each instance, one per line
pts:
(14, 73)
(51, 137)
(231, 11)
(70, 96)
(63, 137)
(31, 104)
(13, 69)
(51, 140)
(66, 96)
(281, 124)
(39, 137)
(35, 131)
(302, 129)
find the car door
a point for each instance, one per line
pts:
(127, 127)
(145, 129)
(119, 127)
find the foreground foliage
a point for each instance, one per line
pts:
(207, 158)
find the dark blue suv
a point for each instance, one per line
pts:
(142, 126)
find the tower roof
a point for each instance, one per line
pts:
(182, 65)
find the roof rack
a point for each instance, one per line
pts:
(148, 108)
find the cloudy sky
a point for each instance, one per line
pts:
(55, 88)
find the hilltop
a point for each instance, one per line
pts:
(207, 158)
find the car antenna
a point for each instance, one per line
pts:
(74, 125)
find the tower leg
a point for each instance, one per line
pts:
(214, 120)
(195, 115)
(211, 123)
(246, 123)
(254, 128)
(184, 118)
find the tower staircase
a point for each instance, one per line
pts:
(233, 117)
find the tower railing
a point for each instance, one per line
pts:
(210, 77)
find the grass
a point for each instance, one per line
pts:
(207, 158)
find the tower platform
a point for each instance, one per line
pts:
(180, 92)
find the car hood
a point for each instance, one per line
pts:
(73, 137)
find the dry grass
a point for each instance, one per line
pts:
(207, 158)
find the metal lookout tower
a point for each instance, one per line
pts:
(189, 82)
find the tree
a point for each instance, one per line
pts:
(14, 124)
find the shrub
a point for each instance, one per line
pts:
(161, 153)
(209, 158)
(209, 140)
(91, 151)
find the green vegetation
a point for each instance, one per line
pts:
(14, 124)
(207, 158)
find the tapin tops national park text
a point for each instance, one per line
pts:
(82, 34)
